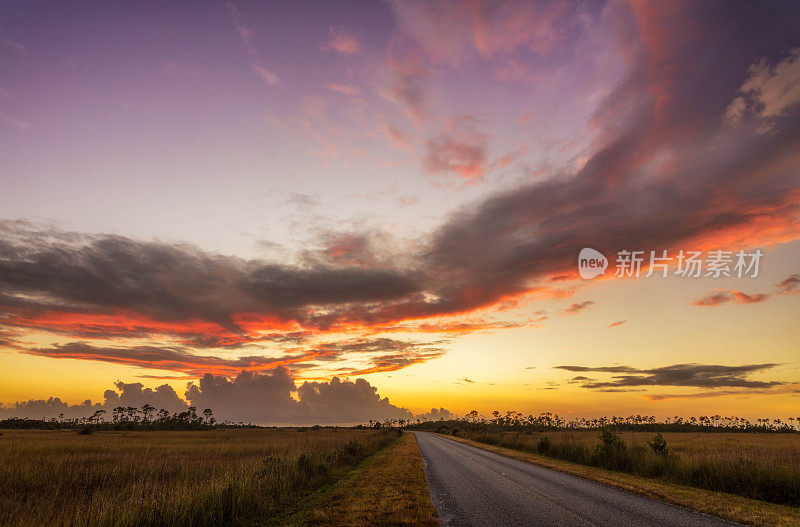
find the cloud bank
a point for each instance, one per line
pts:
(259, 398)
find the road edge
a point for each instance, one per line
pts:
(727, 506)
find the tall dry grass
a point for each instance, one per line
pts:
(759, 466)
(220, 477)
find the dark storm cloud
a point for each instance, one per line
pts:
(697, 375)
(173, 282)
(173, 359)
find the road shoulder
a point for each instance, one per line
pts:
(389, 488)
(727, 506)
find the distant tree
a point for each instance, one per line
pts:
(146, 411)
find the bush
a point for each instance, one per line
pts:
(86, 430)
(543, 445)
(609, 440)
(658, 444)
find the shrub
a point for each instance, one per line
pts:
(86, 430)
(543, 445)
(658, 444)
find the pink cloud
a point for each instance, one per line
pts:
(343, 42)
(448, 31)
(346, 89)
(460, 149)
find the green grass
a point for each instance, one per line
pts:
(220, 477)
(758, 466)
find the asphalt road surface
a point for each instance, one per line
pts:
(474, 487)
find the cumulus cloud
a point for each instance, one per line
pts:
(436, 414)
(345, 401)
(697, 375)
(248, 397)
(261, 398)
(125, 395)
(267, 399)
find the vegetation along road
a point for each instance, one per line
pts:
(474, 487)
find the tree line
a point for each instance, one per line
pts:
(126, 418)
(513, 421)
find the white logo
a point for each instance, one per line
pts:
(591, 263)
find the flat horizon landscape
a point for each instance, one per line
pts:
(400, 262)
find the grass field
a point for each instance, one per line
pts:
(389, 488)
(759, 466)
(220, 477)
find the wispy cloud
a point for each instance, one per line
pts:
(345, 89)
(723, 296)
(342, 41)
(697, 375)
(577, 307)
(790, 285)
(247, 37)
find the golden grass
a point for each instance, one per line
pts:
(728, 506)
(772, 449)
(232, 477)
(389, 488)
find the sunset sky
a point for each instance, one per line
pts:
(398, 192)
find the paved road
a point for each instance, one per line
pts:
(474, 487)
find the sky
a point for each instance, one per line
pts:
(297, 212)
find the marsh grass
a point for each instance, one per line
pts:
(220, 477)
(759, 466)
